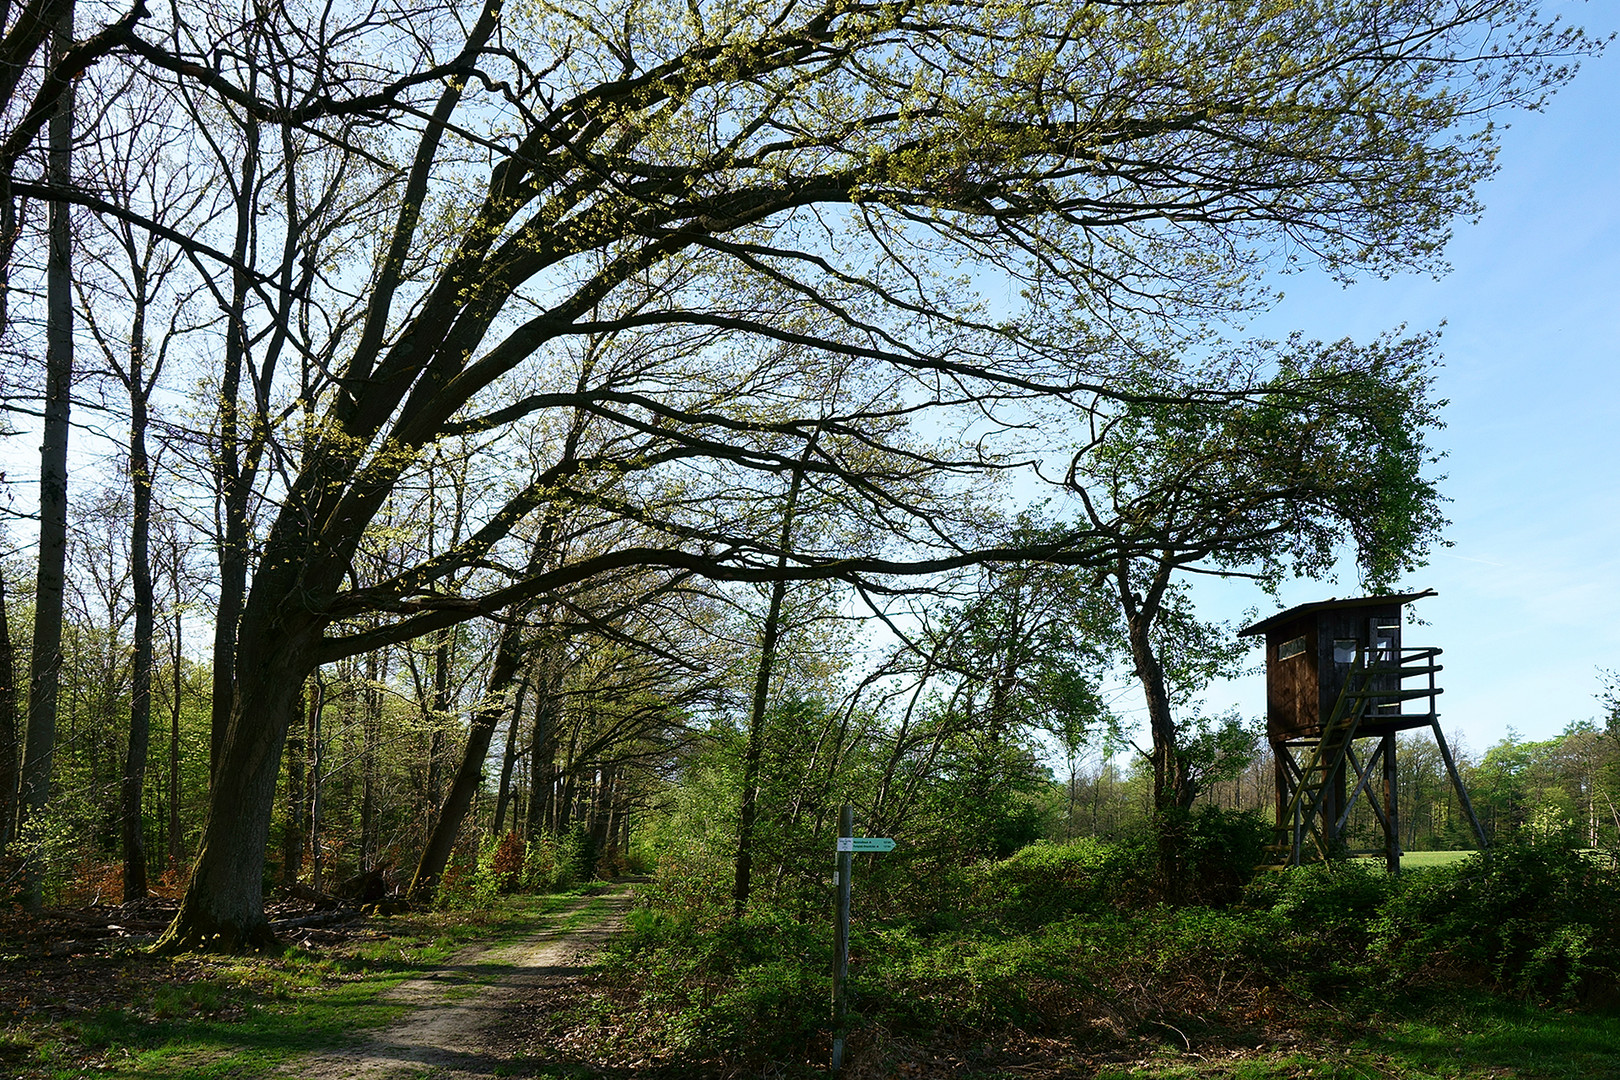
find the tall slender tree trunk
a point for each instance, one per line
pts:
(46, 660)
(564, 789)
(522, 791)
(293, 836)
(176, 838)
(140, 712)
(370, 749)
(438, 713)
(503, 794)
(8, 725)
(314, 706)
(601, 821)
(543, 742)
(234, 476)
(1173, 789)
(441, 840)
(748, 810)
(610, 817)
(370, 736)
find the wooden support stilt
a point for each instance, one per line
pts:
(1456, 782)
(1392, 813)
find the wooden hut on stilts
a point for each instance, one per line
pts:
(1339, 687)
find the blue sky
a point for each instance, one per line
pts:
(1529, 604)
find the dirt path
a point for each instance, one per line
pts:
(445, 1035)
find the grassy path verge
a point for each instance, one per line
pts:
(132, 1016)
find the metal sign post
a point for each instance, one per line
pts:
(846, 825)
(848, 844)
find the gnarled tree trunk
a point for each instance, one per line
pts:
(223, 909)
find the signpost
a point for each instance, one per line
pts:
(848, 844)
(865, 843)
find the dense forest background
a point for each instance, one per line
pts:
(642, 757)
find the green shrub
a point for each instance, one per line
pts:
(508, 861)
(553, 863)
(1222, 849)
(758, 986)
(1541, 919)
(977, 979)
(1336, 902)
(1174, 941)
(1216, 852)
(1056, 933)
(470, 881)
(1046, 882)
(692, 880)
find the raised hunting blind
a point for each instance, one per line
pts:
(1337, 678)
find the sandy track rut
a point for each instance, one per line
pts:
(445, 1034)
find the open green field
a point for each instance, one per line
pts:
(1434, 858)
(1415, 859)
(1421, 858)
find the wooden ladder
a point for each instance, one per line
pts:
(1303, 815)
(1300, 819)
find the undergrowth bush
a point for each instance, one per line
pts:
(1336, 903)
(1539, 919)
(692, 881)
(1220, 849)
(755, 986)
(1532, 918)
(477, 875)
(1045, 882)
(506, 864)
(470, 881)
(554, 863)
(1063, 937)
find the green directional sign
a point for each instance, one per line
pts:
(865, 843)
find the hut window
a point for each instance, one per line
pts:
(1291, 648)
(1384, 640)
(1344, 650)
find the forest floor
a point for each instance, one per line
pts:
(513, 993)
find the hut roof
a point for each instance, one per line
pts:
(1329, 604)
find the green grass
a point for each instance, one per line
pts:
(1446, 858)
(1486, 1037)
(247, 1017)
(1472, 1037)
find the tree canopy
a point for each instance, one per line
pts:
(643, 260)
